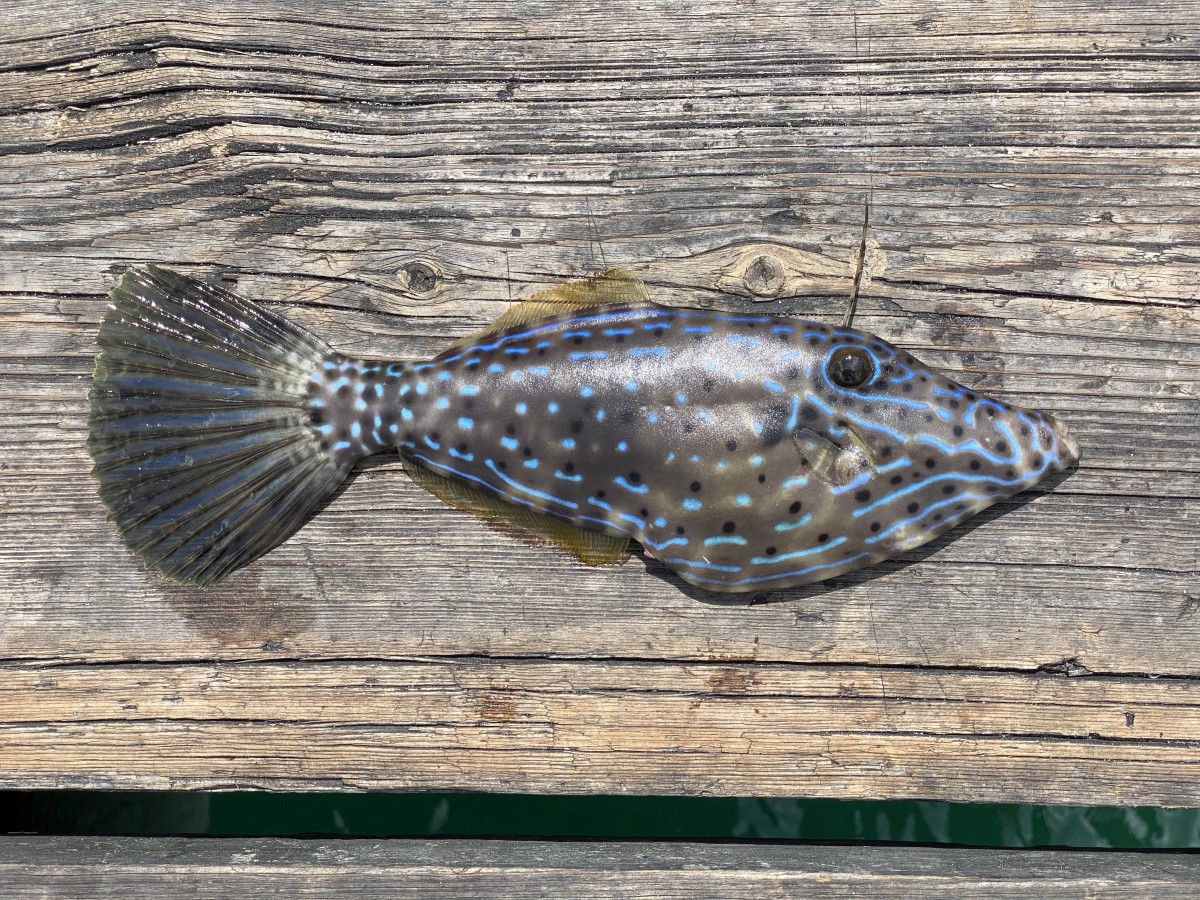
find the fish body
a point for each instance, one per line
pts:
(742, 451)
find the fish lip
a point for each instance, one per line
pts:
(1069, 450)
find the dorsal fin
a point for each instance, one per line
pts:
(608, 288)
(593, 548)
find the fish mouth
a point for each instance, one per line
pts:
(1068, 446)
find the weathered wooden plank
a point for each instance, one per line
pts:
(152, 867)
(1035, 231)
(584, 726)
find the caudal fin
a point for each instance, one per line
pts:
(199, 425)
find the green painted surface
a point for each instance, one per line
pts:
(479, 815)
(493, 815)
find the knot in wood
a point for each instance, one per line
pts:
(419, 278)
(764, 276)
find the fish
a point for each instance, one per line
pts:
(743, 451)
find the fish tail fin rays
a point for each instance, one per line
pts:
(593, 548)
(609, 288)
(200, 425)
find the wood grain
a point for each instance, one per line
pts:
(392, 177)
(154, 867)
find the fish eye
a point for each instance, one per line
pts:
(849, 367)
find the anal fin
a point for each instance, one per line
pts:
(592, 548)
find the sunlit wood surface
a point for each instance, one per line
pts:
(394, 175)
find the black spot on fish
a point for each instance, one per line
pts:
(600, 493)
(770, 551)
(948, 489)
(620, 338)
(772, 434)
(930, 463)
(576, 426)
(762, 479)
(896, 479)
(954, 404)
(906, 388)
(958, 431)
(1001, 447)
(731, 446)
(679, 529)
(885, 452)
(794, 508)
(344, 391)
(695, 486)
(729, 527)
(634, 477)
(792, 371)
(822, 538)
(808, 413)
(863, 496)
(1037, 461)
(707, 384)
(937, 517)
(913, 507)
(1010, 473)
(510, 428)
(644, 512)
(626, 416)
(874, 526)
(568, 467)
(975, 464)
(528, 451)
(316, 417)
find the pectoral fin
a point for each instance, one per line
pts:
(835, 464)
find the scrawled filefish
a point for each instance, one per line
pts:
(743, 451)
